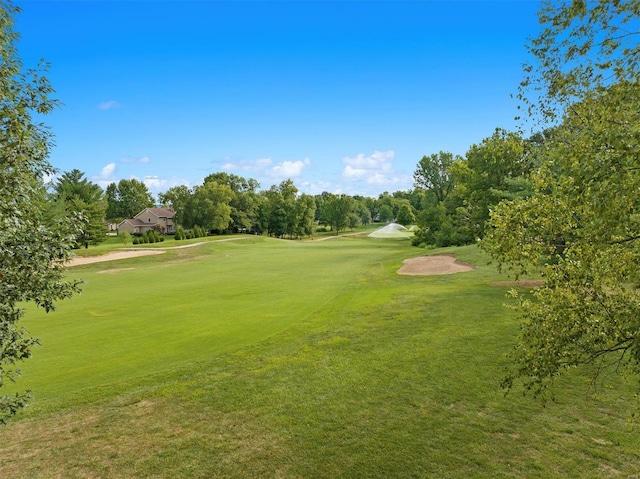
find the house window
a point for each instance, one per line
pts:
(149, 220)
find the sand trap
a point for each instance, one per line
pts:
(435, 264)
(113, 256)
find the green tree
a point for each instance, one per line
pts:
(274, 213)
(32, 250)
(337, 211)
(209, 206)
(289, 194)
(278, 212)
(433, 174)
(127, 199)
(177, 198)
(362, 212)
(319, 200)
(373, 206)
(353, 221)
(414, 197)
(305, 213)
(484, 179)
(75, 195)
(125, 236)
(580, 228)
(245, 201)
(405, 215)
(393, 203)
(385, 213)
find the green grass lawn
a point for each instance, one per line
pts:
(289, 359)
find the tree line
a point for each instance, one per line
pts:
(450, 201)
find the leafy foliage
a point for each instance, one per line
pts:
(580, 228)
(245, 200)
(126, 199)
(482, 181)
(438, 219)
(405, 215)
(177, 198)
(74, 194)
(433, 174)
(209, 206)
(32, 249)
(336, 211)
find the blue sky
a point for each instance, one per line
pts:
(339, 96)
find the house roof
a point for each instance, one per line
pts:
(160, 212)
(135, 222)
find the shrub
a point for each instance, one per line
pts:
(126, 237)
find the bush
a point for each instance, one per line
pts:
(126, 237)
(198, 232)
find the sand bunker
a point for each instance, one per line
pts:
(113, 256)
(435, 264)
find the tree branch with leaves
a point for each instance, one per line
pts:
(33, 249)
(579, 228)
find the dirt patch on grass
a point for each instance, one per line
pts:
(114, 270)
(433, 265)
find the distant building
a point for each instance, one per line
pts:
(159, 219)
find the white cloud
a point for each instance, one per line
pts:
(375, 170)
(351, 172)
(290, 169)
(108, 171)
(363, 165)
(264, 162)
(157, 184)
(228, 167)
(109, 105)
(106, 175)
(154, 182)
(262, 168)
(314, 187)
(247, 167)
